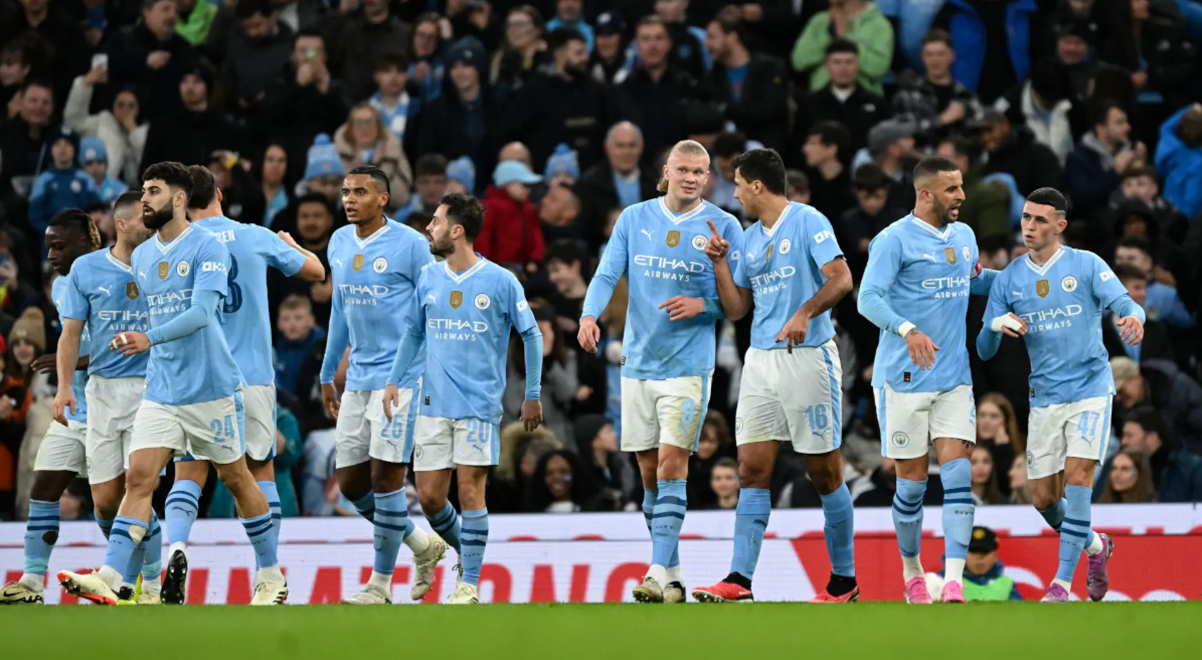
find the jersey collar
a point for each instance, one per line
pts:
(943, 235)
(117, 262)
(779, 221)
(1042, 270)
(458, 278)
(677, 219)
(166, 247)
(364, 242)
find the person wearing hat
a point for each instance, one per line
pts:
(563, 168)
(607, 64)
(461, 176)
(94, 157)
(62, 185)
(458, 122)
(192, 133)
(512, 235)
(984, 573)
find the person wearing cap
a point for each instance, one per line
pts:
(608, 61)
(570, 14)
(460, 121)
(891, 147)
(752, 86)
(563, 167)
(152, 56)
(94, 157)
(63, 184)
(984, 573)
(1075, 41)
(192, 133)
(461, 176)
(512, 235)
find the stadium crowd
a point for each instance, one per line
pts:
(558, 114)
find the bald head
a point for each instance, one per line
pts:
(516, 151)
(624, 147)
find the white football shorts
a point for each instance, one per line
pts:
(443, 443)
(207, 431)
(792, 396)
(911, 421)
(1080, 429)
(668, 411)
(363, 432)
(112, 407)
(62, 449)
(259, 402)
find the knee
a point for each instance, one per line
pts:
(106, 504)
(1043, 501)
(353, 488)
(826, 479)
(45, 489)
(754, 475)
(140, 481)
(432, 498)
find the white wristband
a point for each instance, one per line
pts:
(905, 328)
(1004, 321)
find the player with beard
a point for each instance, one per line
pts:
(921, 270)
(375, 263)
(669, 348)
(192, 401)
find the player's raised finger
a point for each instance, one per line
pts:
(713, 229)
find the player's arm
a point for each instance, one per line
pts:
(294, 260)
(601, 289)
(981, 282)
(66, 357)
(1111, 293)
(884, 263)
(999, 320)
(532, 347)
(338, 335)
(825, 252)
(735, 299)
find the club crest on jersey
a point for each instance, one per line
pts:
(456, 299)
(1069, 284)
(698, 242)
(131, 290)
(483, 301)
(182, 269)
(966, 252)
(673, 238)
(164, 270)
(1042, 288)
(785, 246)
(379, 265)
(768, 254)
(357, 264)
(950, 253)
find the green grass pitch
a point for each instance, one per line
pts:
(1015, 631)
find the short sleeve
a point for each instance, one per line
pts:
(884, 261)
(211, 270)
(519, 310)
(73, 303)
(821, 236)
(1106, 286)
(278, 254)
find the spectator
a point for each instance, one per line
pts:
(366, 31)
(242, 196)
(1094, 168)
(752, 86)
(260, 48)
(1179, 157)
(617, 182)
(1129, 479)
(560, 484)
(304, 102)
(272, 172)
(858, 21)
(891, 147)
(688, 42)
(152, 56)
(825, 148)
(985, 577)
(431, 184)
(94, 157)
(461, 176)
(456, 124)
(192, 134)
(364, 140)
(314, 225)
(520, 453)
(1020, 489)
(512, 235)
(67, 52)
(62, 185)
(994, 40)
(23, 135)
(1013, 150)
(997, 430)
(937, 104)
(656, 96)
(426, 72)
(513, 64)
(1147, 38)
(1156, 344)
(570, 14)
(797, 188)
(724, 482)
(607, 65)
(564, 105)
(1176, 472)
(1045, 105)
(1076, 39)
(721, 186)
(843, 99)
(298, 334)
(391, 99)
(859, 224)
(1158, 383)
(715, 444)
(610, 470)
(121, 129)
(1163, 302)
(1140, 182)
(559, 211)
(984, 479)
(563, 167)
(16, 61)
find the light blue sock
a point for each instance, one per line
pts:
(1074, 531)
(366, 506)
(121, 545)
(907, 515)
(667, 521)
(751, 519)
(446, 525)
(258, 530)
(958, 509)
(273, 503)
(474, 540)
(183, 504)
(129, 575)
(151, 545)
(839, 530)
(649, 499)
(1055, 516)
(41, 533)
(392, 526)
(152, 565)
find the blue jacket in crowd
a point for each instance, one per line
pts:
(1181, 167)
(57, 189)
(968, 36)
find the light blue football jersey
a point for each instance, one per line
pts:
(924, 276)
(102, 293)
(244, 312)
(79, 381)
(200, 366)
(1062, 302)
(663, 255)
(783, 268)
(374, 282)
(467, 317)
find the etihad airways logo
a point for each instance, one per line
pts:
(1055, 318)
(773, 277)
(948, 287)
(457, 325)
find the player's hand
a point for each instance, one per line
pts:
(794, 331)
(392, 398)
(64, 400)
(130, 343)
(329, 398)
(1009, 324)
(44, 364)
(681, 307)
(532, 414)
(589, 334)
(716, 247)
(922, 349)
(1133, 330)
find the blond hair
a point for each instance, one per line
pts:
(296, 301)
(684, 148)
